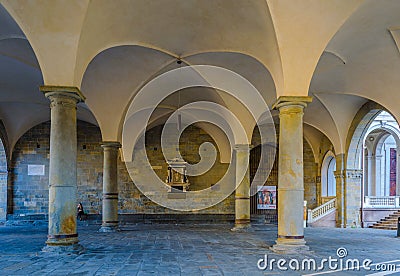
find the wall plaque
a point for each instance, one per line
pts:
(35, 169)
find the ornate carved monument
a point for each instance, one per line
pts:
(177, 178)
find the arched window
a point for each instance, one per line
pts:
(328, 183)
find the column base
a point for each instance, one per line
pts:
(290, 246)
(64, 249)
(62, 240)
(241, 226)
(339, 225)
(109, 228)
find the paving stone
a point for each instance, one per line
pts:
(211, 250)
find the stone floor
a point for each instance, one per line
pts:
(191, 250)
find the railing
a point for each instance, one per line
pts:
(321, 211)
(382, 202)
(325, 199)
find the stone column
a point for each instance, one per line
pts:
(110, 187)
(353, 197)
(368, 175)
(379, 186)
(340, 177)
(318, 184)
(62, 170)
(242, 192)
(372, 175)
(348, 194)
(397, 171)
(290, 175)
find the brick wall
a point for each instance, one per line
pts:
(309, 165)
(133, 201)
(3, 183)
(30, 192)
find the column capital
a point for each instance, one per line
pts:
(242, 147)
(62, 91)
(110, 144)
(292, 100)
(350, 173)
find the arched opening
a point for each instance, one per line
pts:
(373, 154)
(380, 164)
(328, 183)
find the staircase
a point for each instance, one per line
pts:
(323, 216)
(388, 223)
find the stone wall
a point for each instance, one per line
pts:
(30, 192)
(133, 201)
(3, 183)
(90, 167)
(310, 175)
(310, 172)
(324, 147)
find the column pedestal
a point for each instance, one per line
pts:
(290, 176)
(110, 187)
(62, 234)
(242, 192)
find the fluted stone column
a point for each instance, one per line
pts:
(242, 192)
(290, 175)
(62, 170)
(110, 187)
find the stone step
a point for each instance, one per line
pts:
(391, 220)
(384, 227)
(388, 223)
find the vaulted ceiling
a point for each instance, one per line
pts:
(341, 52)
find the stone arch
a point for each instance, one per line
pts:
(349, 173)
(389, 129)
(382, 187)
(357, 131)
(327, 174)
(375, 161)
